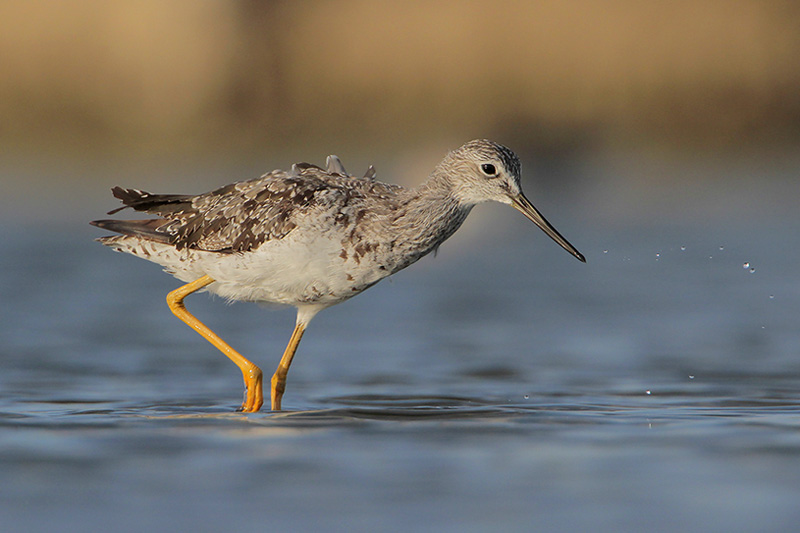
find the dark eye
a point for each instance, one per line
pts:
(489, 169)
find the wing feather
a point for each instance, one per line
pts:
(243, 215)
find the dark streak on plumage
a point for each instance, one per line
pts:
(306, 166)
(241, 216)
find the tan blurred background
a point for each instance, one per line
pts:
(88, 83)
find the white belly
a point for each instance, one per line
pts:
(292, 271)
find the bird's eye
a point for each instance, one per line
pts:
(489, 169)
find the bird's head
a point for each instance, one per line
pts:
(484, 171)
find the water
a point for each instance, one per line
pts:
(502, 386)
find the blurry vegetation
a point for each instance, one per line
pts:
(157, 76)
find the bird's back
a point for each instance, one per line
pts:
(242, 216)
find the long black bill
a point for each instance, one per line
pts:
(522, 205)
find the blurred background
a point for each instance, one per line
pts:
(503, 385)
(164, 94)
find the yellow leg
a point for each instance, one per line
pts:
(279, 378)
(252, 374)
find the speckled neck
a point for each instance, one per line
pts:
(429, 215)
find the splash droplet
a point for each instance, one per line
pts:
(683, 248)
(746, 264)
(691, 376)
(752, 270)
(771, 296)
(526, 396)
(605, 251)
(721, 248)
(648, 392)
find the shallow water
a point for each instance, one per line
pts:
(501, 386)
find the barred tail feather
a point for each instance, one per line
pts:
(156, 204)
(147, 229)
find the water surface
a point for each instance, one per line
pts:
(501, 386)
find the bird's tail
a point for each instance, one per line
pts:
(156, 204)
(148, 229)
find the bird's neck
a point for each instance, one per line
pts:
(429, 215)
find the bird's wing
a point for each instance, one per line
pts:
(240, 216)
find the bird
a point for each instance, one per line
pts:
(310, 237)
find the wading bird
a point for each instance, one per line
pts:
(310, 237)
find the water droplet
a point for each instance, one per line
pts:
(648, 392)
(658, 254)
(746, 265)
(752, 270)
(526, 396)
(691, 376)
(605, 251)
(721, 248)
(771, 296)
(683, 248)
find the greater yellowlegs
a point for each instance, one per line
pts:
(310, 237)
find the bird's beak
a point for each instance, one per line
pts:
(521, 204)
